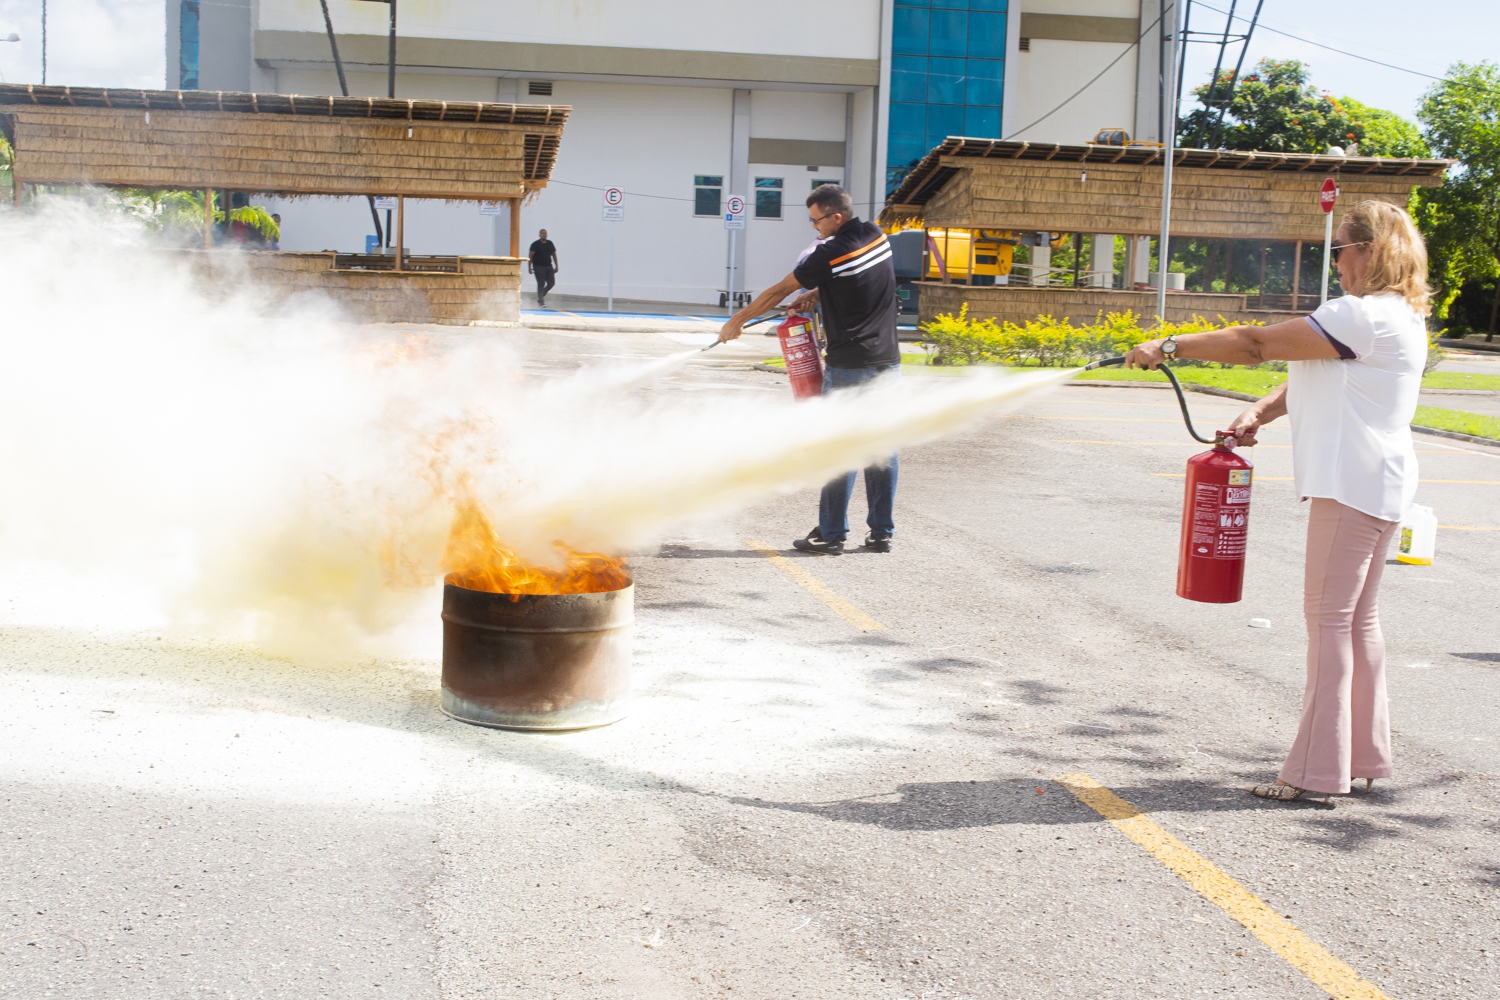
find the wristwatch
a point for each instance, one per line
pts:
(1169, 346)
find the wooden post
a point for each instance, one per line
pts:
(1077, 257)
(400, 231)
(1297, 276)
(515, 227)
(208, 219)
(1228, 263)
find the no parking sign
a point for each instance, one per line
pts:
(734, 212)
(614, 205)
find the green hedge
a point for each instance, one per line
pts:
(1048, 342)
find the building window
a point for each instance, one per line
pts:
(539, 88)
(826, 180)
(708, 192)
(768, 197)
(947, 77)
(187, 49)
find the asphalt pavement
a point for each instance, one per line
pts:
(860, 776)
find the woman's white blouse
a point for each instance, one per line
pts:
(1351, 417)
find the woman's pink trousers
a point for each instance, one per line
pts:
(1346, 729)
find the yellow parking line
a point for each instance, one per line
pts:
(1278, 933)
(1465, 527)
(817, 588)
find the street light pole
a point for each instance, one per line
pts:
(44, 43)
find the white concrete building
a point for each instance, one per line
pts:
(683, 104)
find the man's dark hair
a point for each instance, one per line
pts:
(830, 198)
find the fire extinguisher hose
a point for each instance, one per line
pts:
(1181, 399)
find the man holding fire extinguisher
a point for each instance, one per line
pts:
(1351, 392)
(852, 277)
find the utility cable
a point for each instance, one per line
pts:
(1265, 27)
(1086, 86)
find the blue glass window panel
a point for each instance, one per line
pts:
(987, 35)
(982, 123)
(908, 123)
(945, 81)
(954, 4)
(999, 5)
(187, 53)
(913, 3)
(986, 83)
(949, 33)
(909, 78)
(943, 121)
(909, 32)
(903, 153)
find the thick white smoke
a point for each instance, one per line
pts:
(242, 467)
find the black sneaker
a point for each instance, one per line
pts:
(814, 543)
(875, 544)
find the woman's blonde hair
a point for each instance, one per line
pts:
(1398, 255)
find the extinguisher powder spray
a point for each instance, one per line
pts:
(799, 349)
(1215, 516)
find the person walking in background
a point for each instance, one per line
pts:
(851, 275)
(543, 264)
(1351, 392)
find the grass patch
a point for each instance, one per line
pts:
(1476, 424)
(1461, 380)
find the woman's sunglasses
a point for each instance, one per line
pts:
(1334, 251)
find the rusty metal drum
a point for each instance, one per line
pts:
(537, 661)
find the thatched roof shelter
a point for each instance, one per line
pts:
(1012, 185)
(281, 144)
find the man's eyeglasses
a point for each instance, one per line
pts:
(821, 218)
(1334, 251)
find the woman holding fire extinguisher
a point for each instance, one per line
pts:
(1351, 393)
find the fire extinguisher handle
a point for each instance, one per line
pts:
(1177, 386)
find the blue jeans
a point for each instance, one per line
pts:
(880, 480)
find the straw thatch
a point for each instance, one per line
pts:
(973, 184)
(279, 143)
(482, 288)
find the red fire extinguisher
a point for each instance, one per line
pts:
(804, 363)
(1215, 519)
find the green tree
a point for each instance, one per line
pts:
(1275, 108)
(1384, 133)
(1272, 108)
(1461, 219)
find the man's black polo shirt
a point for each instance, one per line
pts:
(856, 283)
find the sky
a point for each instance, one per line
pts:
(119, 43)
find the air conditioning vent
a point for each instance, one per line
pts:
(539, 88)
(1025, 45)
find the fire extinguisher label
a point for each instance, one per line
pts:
(1220, 520)
(1239, 477)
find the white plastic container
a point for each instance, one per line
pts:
(1418, 537)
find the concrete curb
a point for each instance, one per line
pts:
(620, 326)
(1470, 345)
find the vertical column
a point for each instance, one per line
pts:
(1148, 75)
(1296, 275)
(515, 227)
(400, 232)
(1102, 259)
(739, 183)
(1140, 266)
(1041, 260)
(208, 219)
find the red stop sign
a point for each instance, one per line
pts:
(1328, 195)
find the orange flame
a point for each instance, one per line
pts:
(477, 560)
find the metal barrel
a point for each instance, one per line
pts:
(537, 661)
